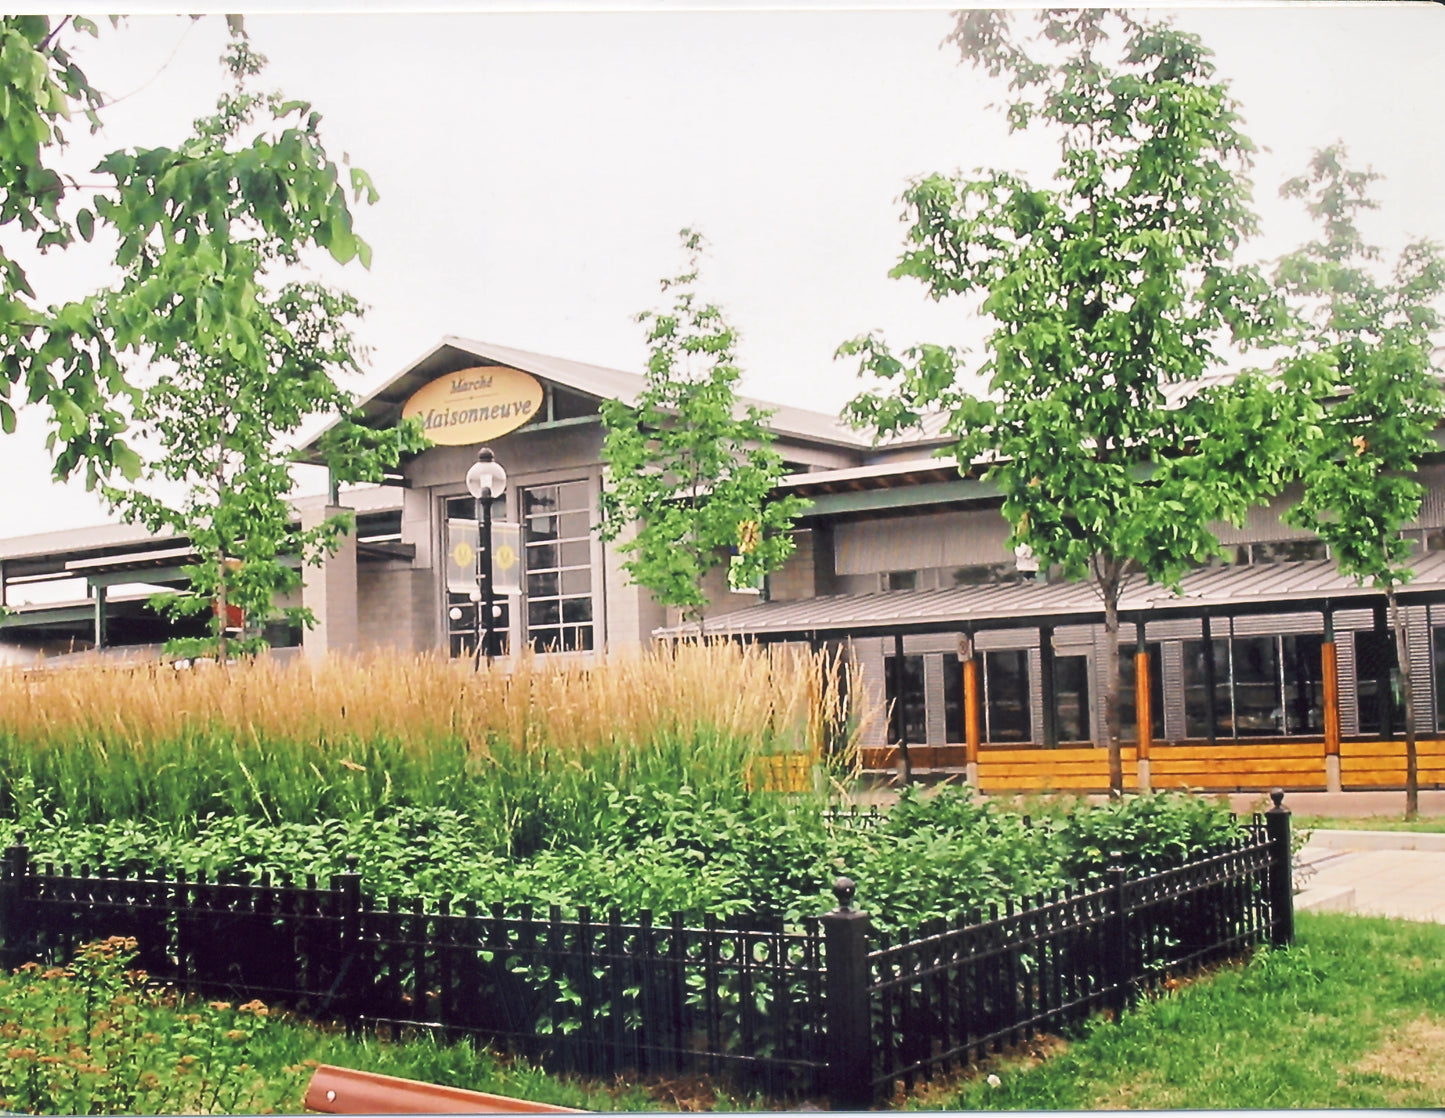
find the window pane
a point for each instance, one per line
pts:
(541, 528)
(576, 610)
(1006, 686)
(545, 612)
(573, 525)
(1196, 696)
(541, 556)
(1290, 551)
(542, 584)
(577, 581)
(915, 720)
(539, 499)
(1304, 688)
(576, 554)
(1071, 697)
(1128, 693)
(572, 496)
(1258, 709)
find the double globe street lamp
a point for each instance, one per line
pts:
(486, 481)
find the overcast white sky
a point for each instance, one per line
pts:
(534, 167)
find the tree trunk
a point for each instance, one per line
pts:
(1111, 685)
(1402, 651)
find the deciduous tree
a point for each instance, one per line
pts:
(243, 350)
(1111, 290)
(56, 356)
(1369, 356)
(688, 463)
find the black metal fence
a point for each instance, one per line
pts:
(821, 1007)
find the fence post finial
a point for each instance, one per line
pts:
(849, 1077)
(1281, 873)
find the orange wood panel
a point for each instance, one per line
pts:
(1142, 699)
(1242, 765)
(1285, 750)
(1049, 756)
(1331, 673)
(973, 733)
(1046, 782)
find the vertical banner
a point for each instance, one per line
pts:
(462, 557)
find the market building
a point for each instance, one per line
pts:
(1267, 668)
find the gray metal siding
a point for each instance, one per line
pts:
(1171, 657)
(1417, 638)
(933, 690)
(920, 542)
(1262, 523)
(1036, 697)
(1349, 708)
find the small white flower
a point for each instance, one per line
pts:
(994, 1081)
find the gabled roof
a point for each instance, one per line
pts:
(454, 353)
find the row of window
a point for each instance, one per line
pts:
(1274, 551)
(1262, 686)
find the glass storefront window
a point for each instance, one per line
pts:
(1071, 697)
(462, 630)
(1375, 657)
(1196, 689)
(1006, 696)
(557, 538)
(1263, 687)
(1302, 662)
(915, 718)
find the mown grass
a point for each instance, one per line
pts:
(1425, 824)
(1352, 1016)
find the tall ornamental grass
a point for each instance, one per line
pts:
(533, 747)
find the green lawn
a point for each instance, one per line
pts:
(1432, 823)
(94, 1038)
(1352, 1016)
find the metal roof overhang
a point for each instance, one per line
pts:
(1212, 591)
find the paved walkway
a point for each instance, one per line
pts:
(1374, 873)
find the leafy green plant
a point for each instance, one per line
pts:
(1367, 360)
(95, 1037)
(687, 464)
(1110, 289)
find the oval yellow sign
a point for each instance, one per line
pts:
(474, 405)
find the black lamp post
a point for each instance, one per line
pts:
(486, 480)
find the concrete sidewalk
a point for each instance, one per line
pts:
(1374, 873)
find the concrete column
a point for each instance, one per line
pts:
(98, 593)
(329, 591)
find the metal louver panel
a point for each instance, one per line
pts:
(1349, 708)
(1171, 654)
(1284, 624)
(933, 696)
(1417, 638)
(1036, 697)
